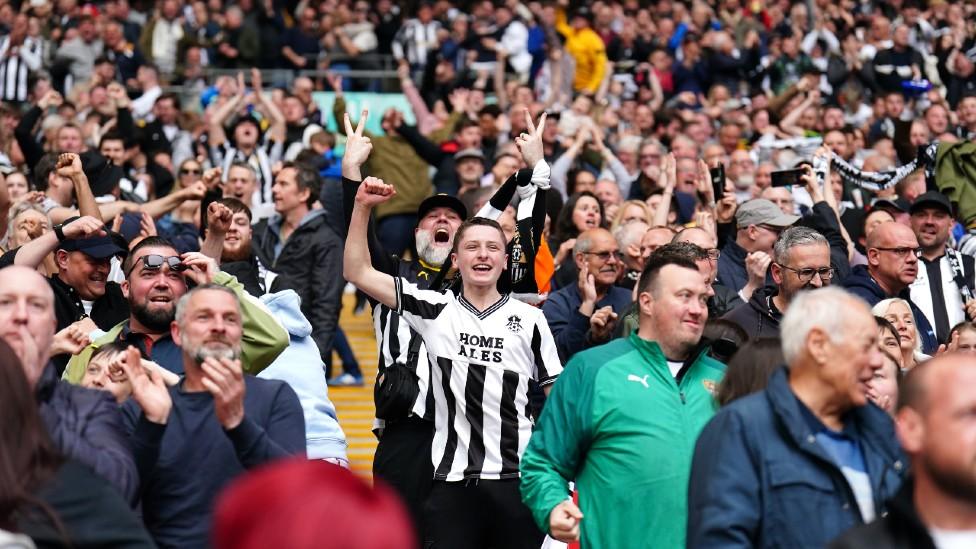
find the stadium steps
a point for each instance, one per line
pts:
(354, 405)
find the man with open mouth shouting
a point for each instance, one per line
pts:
(483, 347)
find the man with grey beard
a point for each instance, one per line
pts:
(192, 439)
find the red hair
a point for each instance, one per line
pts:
(299, 504)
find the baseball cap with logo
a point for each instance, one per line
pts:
(760, 211)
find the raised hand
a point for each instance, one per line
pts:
(195, 191)
(224, 379)
(602, 324)
(72, 339)
(358, 146)
(219, 217)
(459, 99)
(703, 182)
(148, 388)
(373, 191)
(211, 178)
(50, 99)
(147, 227)
(587, 289)
(256, 80)
(335, 80)
(83, 227)
(200, 268)
(564, 522)
(69, 165)
(118, 94)
(529, 143)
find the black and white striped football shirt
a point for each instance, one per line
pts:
(482, 362)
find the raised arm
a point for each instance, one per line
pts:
(277, 131)
(216, 124)
(32, 254)
(357, 267)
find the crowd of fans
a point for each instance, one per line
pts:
(663, 274)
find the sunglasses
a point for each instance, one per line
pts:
(190, 171)
(155, 262)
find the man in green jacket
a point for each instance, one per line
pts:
(156, 278)
(622, 421)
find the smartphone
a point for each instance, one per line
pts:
(785, 178)
(718, 181)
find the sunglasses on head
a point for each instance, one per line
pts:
(154, 262)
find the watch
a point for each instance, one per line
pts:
(59, 232)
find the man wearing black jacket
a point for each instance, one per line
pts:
(936, 507)
(801, 260)
(298, 244)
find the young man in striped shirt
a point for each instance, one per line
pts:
(484, 348)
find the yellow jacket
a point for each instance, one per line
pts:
(588, 50)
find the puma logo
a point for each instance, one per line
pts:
(641, 380)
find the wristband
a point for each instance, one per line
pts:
(59, 232)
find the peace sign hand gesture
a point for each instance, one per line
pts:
(530, 144)
(358, 147)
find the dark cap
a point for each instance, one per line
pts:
(442, 201)
(469, 153)
(889, 205)
(583, 12)
(248, 119)
(932, 199)
(98, 247)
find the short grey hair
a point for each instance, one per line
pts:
(183, 301)
(630, 234)
(793, 237)
(820, 308)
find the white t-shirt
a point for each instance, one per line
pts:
(675, 367)
(953, 539)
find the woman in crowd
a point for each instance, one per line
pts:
(749, 369)
(899, 314)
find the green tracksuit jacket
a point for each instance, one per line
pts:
(624, 429)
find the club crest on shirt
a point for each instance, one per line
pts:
(709, 386)
(514, 323)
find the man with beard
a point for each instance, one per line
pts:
(800, 462)
(194, 438)
(156, 277)
(584, 314)
(801, 261)
(936, 507)
(298, 244)
(946, 280)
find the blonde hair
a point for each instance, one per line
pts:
(618, 219)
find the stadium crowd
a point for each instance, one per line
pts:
(641, 273)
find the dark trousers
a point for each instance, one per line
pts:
(403, 462)
(340, 344)
(479, 514)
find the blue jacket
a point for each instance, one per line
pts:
(732, 266)
(569, 327)
(301, 367)
(863, 285)
(760, 479)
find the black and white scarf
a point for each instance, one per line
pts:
(878, 181)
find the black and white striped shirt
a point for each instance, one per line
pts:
(16, 68)
(482, 362)
(414, 40)
(262, 159)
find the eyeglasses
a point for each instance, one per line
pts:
(190, 171)
(154, 262)
(776, 230)
(605, 256)
(806, 275)
(713, 254)
(902, 251)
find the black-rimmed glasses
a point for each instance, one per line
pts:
(807, 274)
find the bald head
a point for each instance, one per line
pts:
(889, 234)
(697, 236)
(27, 320)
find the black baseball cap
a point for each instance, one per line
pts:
(442, 201)
(891, 205)
(98, 247)
(932, 199)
